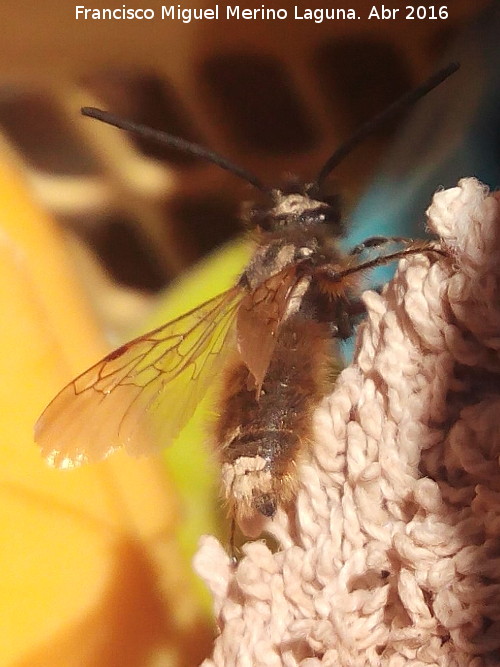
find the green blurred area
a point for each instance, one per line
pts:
(191, 462)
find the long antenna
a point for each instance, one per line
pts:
(175, 142)
(370, 126)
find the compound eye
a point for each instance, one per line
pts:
(332, 201)
(333, 218)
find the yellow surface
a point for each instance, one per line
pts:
(89, 571)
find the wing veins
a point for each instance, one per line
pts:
(228, 317)
(128, 370)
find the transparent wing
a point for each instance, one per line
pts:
(259, 318)
(113, 403)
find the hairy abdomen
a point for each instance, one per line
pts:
(261, 440)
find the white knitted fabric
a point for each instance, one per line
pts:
(392, 555)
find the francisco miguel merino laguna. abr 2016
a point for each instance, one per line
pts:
(227, 12)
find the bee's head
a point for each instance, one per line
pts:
(294, 206)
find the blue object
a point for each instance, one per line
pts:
(453, 133)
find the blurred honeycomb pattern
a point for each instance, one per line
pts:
(274, 96)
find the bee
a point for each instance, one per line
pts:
(271, 338)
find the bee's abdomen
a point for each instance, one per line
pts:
(261, 440)
(270, 444)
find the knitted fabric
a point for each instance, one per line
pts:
(391, 555)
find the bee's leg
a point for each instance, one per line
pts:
(342, 316)
(232, 548)
(333, 275)
(355, 308)
(349, 316)
(377, 241)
